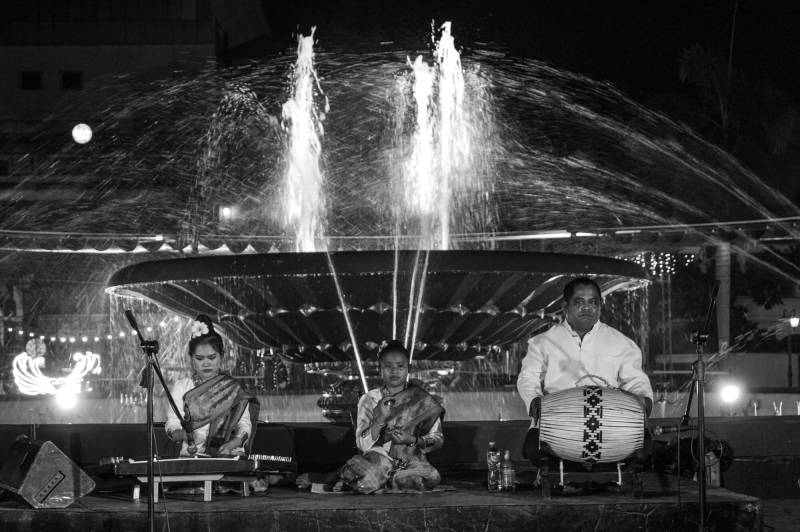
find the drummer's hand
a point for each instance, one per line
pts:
(647, 404)
(536, 409)
(177, 435)
(398, 435)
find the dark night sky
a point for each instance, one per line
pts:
(636, 45)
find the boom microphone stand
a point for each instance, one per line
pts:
(150, 349)
(699, 339)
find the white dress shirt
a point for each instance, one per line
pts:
(364, 440)
(559, 359)
(178, 390)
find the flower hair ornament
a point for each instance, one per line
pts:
(199, 329)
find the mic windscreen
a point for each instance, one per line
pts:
(131, 320)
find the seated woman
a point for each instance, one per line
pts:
(398, 424)
(215, 406)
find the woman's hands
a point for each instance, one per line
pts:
(382, 411)
(398, 435)
(231, 446)
(177, 435)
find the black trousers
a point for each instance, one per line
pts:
(531, 451)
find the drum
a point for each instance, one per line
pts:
(592, 424)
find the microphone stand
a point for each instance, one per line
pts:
(699, 339)
(150, 350)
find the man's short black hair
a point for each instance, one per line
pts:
(569, 288)
(392, 346)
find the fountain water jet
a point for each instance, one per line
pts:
(437, 174)
(303, 200)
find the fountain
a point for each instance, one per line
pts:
(335, 306)
(474, 302)
(523, 153)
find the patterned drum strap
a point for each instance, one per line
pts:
(592, 424)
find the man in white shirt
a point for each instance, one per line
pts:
(580, 351)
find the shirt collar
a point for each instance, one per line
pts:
(573, 332)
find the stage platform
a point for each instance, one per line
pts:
(463, 506)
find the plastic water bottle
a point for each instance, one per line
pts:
(493, 480)
(508, 476)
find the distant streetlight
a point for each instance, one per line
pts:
(228, 213)
(730, 393)
(82, 133)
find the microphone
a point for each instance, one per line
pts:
(132, 321)
(658, 430)
(715, 291)
(712, 302)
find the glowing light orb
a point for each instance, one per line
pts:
(66, 399)
(82, 133)
(729, 393)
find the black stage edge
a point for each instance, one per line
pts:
(466, 507)
(766, 455)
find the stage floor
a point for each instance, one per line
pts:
(463, 507)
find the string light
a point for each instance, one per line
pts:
(661, 264)
(71, 338)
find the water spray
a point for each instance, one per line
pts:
(347, 322)
(423, 278)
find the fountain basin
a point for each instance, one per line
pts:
(472, 302)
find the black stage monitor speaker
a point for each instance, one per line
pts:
(42, 475)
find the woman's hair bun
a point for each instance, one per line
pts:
(204, 318)
(203, 333)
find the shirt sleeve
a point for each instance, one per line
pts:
(177, 391)
(529, 380)
(364, 439)
(631, 377)
(434, 439)
(245, 427)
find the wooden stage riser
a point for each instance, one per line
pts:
(261, 515)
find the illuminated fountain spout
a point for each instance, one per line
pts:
(439, 173)
(303, 194)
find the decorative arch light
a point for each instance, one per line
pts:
(30, 380)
